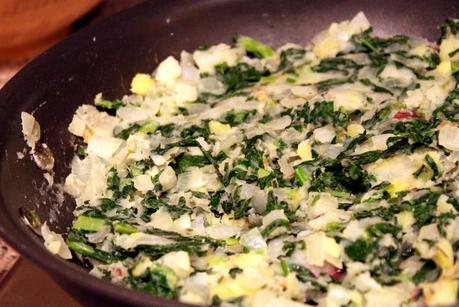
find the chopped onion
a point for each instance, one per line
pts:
(253, 239)
(324, 134)
(329, 150)
(30, 129)
(275, 248)
(139, 238)
(259, 201)
(448, 136)
(222, 232)
(167, 179)
(292, 102)
(286, 168)
(306, 92)
(272, 216)
(55, 243)
(98, 237)
(279, 123)
(132, 114)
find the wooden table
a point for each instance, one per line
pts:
(28, 285)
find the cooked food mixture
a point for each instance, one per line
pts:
(238, 175)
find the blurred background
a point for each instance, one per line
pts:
(27, 28)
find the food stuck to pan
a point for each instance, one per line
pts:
(241, 175)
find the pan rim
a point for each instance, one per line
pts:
(41, 257)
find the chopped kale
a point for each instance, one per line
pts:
(305, 276)
(166, 130)
(78, 243)
(109, 105)
(255, 47)
(235, 118)
(237, 77)
(370, 43)
(380, 229)
(336, 64)
(159, 280)
(288, 57)
(234, 271)
(360, 250)
(185, 161)
(125, 133)
(429, 272)
(266, 232)
(152, 204)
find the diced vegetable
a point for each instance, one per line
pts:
(89, 223)
(110, 105)
(256, 47)
(125, 228)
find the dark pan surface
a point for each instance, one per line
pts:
(104, 58)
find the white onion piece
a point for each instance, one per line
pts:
(167, 179)
(178, 261)
(365, 282)
(299, 257)
(195, 289)
(161, 219)
(253, 239)
(329, 150)
(228, 141)
(221, 53)
(324, 134)
(236, 103)
(195, 178)
(292, 102)
(103, 146)
(429, 232)
(254, 131)
(356, 228)
(139, 238)
(196, 108)
(97, 237)
(55, 243)
(272, 216)
(197, 224)
(143, 183)
(448, 136)
(150, 106)
(211, 85)
(202, 142)
(306, 92)
(275, 248)
(30, 129)
(320, 205)
(259, 201)
(279, 123)
(132, 114)
(286, 168)
(189, 72)
(222, 232)
(377, 142)
(247, 191)
(158, 160)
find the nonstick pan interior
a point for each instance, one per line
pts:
(104, 57)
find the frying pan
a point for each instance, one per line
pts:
(104, 58)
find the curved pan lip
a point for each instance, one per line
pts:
(60, 268)
(13, 235)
